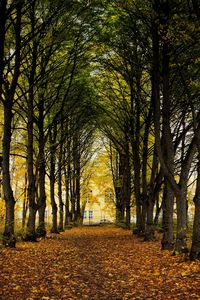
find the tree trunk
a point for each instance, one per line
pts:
(67, 170)
(72, 197)
(181, 231)
(153, 195)
(25, 203)
(137, 193)
(78, 203)
(122, 190)
(41, 231)
(143, 217)
(52, 139)
(77, 170)
(78, 188)
(148, 189)
(61, 205)
(168, 148)
(195, 249)
(135, 146)
(30, 234)
(54, 228)
(119, 209)
(167, 222)
(128, 187)
(126, 183)
(181, 200)
(3, 15)
(180, 190)
(150, 227)
(158, 210)
(67, 212)
(137, 168)
(8, 235)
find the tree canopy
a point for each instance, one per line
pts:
(124, 72)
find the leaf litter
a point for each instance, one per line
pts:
(96, 263)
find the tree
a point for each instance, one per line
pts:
(9, 74)
(188, 151)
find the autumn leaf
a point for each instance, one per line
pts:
(96, 263)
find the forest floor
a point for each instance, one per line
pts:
(96, 263)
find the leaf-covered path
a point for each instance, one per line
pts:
(95, 263)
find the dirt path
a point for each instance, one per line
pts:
(95, 264)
